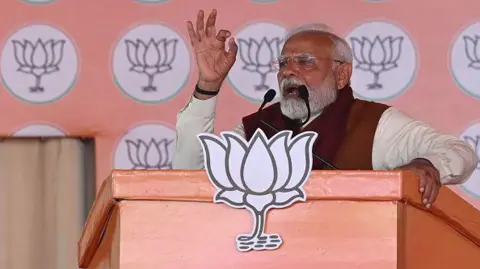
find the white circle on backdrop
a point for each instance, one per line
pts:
(384, 60)
(465, 60)
(148, 146)
(252, 74)
(151, 63)
(39, 64)
(472, 136)
(40, 130)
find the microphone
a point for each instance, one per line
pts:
(268, 97)
(303, 92)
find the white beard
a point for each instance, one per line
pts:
(319, 98)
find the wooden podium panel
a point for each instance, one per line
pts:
(351, 219)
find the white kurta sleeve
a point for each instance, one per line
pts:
(198, 116)
(399, 139)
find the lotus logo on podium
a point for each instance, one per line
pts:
(258, 175)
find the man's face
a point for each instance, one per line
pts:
(306, 59)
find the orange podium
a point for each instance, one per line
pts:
(351, 219)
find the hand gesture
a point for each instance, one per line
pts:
(213, 61)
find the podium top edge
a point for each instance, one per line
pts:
(194, 185)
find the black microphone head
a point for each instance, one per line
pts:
(303, 92)
(269, 95)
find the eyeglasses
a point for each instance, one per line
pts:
(304, 61)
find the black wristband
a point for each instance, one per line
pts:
(197, 89)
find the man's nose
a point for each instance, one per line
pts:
(291, 69)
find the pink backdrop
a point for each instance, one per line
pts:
(119, 71)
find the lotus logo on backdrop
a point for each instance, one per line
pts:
(146, 147)
(232, 165)
(472, 51)
(151, 63)
(257, 58)
(153, 154)
(40, 130)
(253, 74)
(377, 56)
(384, 60)
(39, 64)
(151, 59)
(39, 59)
(465, 60)
(472, 136)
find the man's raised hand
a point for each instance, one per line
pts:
(213, 61)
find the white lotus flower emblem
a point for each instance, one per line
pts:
(258, 175)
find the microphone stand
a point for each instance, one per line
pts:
(303, 92)
(308, 112)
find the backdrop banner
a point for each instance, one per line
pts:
(119, 71)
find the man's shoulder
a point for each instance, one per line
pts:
(370, 104)
(369, 108)
(385, 116)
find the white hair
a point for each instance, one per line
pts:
(341, 50)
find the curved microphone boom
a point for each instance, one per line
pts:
(303, 92)
(267, 98)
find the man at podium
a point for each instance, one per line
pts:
(354, 134)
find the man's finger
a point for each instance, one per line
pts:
(232, 49)
(433, 195)
(210, 27)
(428, 190)
(434, 177)
(223, 35)
(191, 33)
(200, 26)
(423, 182)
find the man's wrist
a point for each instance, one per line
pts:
(200, 96)
(212, 86)
(206, 90)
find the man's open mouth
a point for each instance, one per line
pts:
(291, 90)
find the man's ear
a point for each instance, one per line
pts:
(343, 73)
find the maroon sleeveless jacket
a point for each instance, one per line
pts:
(345, 129)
